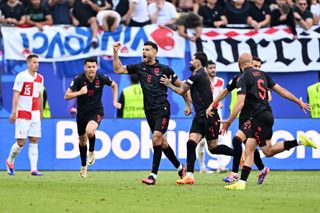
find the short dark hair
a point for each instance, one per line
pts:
(256, 58)
(202, 57)
(110, 21)
(91, 59)
(134, 78)
(152, 44)
(210, 62)
(31, 56)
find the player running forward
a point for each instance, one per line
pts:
(27, 107)
(252, 96)
(156, 105)
(202, 126)
(87, 88)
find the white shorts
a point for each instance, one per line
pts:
(28, 128)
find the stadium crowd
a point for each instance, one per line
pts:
(176, 14)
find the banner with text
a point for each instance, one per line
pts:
(276, 46)
(125, 144)
(63, 43)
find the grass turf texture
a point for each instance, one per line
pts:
(122, 191)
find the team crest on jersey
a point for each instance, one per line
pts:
(156, 70)
(84, 83)
(97, 83)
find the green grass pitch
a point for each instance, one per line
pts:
(122, 191)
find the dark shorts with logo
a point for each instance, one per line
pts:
(207, 127)
(259, 128)
(82, 121)
(158, 119)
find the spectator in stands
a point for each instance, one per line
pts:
(12, 12)
(137, 15)
(162, 13)
(38, 15)
(121, 6)
(315, 10)
(189, 5)
(259, 15)
(302, 14)
(108, 20)
(283, 15)
(84, 14)
(131, 99)
(212, 14)
(60, 11)
(237, 12)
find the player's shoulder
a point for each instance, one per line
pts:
(220, 80)
(39, 78)
(22, 74)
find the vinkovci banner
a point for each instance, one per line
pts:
(125, 144)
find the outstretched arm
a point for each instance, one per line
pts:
(219, 98)
(114, 87)
(181, 89)
(288, 95)
(117, 65)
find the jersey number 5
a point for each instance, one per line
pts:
(261, 90)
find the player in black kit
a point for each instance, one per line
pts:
(156, 105)
(202, 126)
(87, 88)
(252, 97)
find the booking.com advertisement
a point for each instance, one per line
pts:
(125, 144)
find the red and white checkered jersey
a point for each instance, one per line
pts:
(29, 87)
(216, 87)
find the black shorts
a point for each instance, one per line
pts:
(82, 121)
(207, 127)
(158, 119)
(259, 127)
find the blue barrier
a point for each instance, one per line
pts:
(126, 145)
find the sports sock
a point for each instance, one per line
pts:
(222, 150)
(290, 144)
(33, 156)
(171, 156)
(245, 173)
(200, 153)
(83, 154)
(14, 151)
(92, 142)
(157, 152)
(237, 147)
(258, 160)
(191, 155)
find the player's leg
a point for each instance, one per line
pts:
(81, 124)
(34, 134)
(251, 146)
(167, 150)
(21, 133)
(220, 158)
(91, 128)
(200, 150)
(194, 139)
(264, 171)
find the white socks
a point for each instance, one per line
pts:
(200, 153)
(15, 149)
(33, 156)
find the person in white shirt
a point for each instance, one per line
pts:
(137, 15)
(162, 13)
(27, 108)
(315, 10)
(108, 20)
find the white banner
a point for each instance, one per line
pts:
(63, 43)
(275, 46)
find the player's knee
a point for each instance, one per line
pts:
(90, 133)
(212, 145)
(267, 152)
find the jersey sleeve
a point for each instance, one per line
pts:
(242, 83)
(74, 84)
(232, 84)
(169, 72)
(190, 81)
(271, 82)
(18, 83)
(132, 68)
(106, 80)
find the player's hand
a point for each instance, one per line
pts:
(116, 47)
(209, 111)
(13, 117)
(224, 126)
(165, 80)
(187, 110)
(304, 106)
(84, 90)
(117, 105)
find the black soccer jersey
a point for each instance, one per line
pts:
(201, 92)
(255, 84)
(90, 102)
(154, 93)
